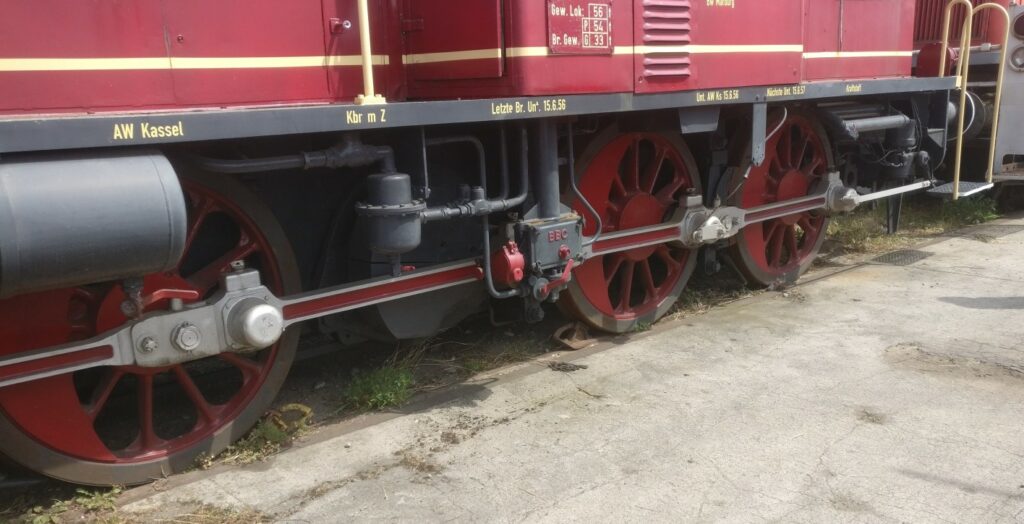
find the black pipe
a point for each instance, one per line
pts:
(545, 182)
(576, 190)
(483, 207)
(471, 140)
(351, 153)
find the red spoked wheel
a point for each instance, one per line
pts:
(129, 425)
(797, 159)
(633, 180)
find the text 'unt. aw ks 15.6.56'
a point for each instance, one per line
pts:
(183, 183)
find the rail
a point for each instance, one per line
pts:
(369, 96)
(962, 71)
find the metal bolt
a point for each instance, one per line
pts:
(187, 337)
(148, 345)
(347, 24)
(238, 265)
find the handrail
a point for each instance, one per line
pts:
(999, 84)
(961, 81)
(962, 70)
(369, 96)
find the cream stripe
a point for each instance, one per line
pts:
(857, 54)
(157, 63)
(714, 49)
(528, 52)
(452, 56)
(522, 52)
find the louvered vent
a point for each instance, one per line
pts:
(929, 22)
(666, 24)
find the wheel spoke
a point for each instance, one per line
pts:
(647, 276)
(805, 142)
(633, 168)
(615, 208)
(626, 285)
(193, 393)
(812, 166)
(808, 226)
(650, 178)
(617, 186)
(147, 434)
(666, 256)
(205, 279)
(202, 207)
(775, 247)
(665, 194)
(101, 393)
(616, 264)
(248, 368)
(785, 147)
(770, 231)
(792, 244)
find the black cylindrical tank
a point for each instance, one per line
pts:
(74, 220)
(393, 217)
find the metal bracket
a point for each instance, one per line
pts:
(698, 119)
(759, 133)
(244, 312)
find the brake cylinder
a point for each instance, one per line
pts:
(74, 220)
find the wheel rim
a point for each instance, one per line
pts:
(123, 416)
(797, 158)
(632, 180)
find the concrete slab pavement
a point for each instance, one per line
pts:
(879, 393)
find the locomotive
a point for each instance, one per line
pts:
(186, 187)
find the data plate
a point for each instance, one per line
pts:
(579, 28)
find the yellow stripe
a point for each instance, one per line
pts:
(857, 54)
(163, 63)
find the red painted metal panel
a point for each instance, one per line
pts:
(246, 28)
(81, 29)
(341, 37)
(731, 44)
(102, 55)
(530, 67)
(858, 39)
(434, 34)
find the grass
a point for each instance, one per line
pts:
(864, 230)
(94, 505)
(387, 386)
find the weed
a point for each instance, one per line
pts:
(390, 385)
(970, 211)
(863, 231)
(98, 504)
(210, 514)
(640, 327)
(277, 429)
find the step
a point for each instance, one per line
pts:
(966, 189)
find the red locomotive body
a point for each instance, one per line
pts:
(185, 185)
